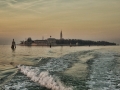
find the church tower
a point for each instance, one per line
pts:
(61, 35)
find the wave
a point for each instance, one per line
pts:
(42, 77)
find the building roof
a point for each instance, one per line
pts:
(40, 40)
(51, 39)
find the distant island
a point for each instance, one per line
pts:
(64, 42)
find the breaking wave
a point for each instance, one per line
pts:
(42, 77)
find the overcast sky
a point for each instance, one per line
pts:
(78, 19)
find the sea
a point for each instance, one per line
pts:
(60, 68)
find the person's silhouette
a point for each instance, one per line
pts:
(13, 46)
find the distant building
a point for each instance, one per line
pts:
(40, 42)
(51, 41)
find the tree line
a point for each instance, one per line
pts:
(82, 42)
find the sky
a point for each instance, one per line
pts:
(97, 20)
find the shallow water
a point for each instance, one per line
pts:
(59, 68)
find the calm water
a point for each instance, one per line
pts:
(60, 68)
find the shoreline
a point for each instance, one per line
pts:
(65, 45)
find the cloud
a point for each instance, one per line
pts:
(48, 15)
(19, 5)
(37, 6)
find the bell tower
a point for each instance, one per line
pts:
(61, 34)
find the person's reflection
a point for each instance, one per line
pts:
(13, 49)
(12, 62)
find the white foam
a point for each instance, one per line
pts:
(102, 75)
(18, 86)
(43, 78)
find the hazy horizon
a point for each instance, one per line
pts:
(97, 20)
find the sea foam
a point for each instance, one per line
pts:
(42, 77)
